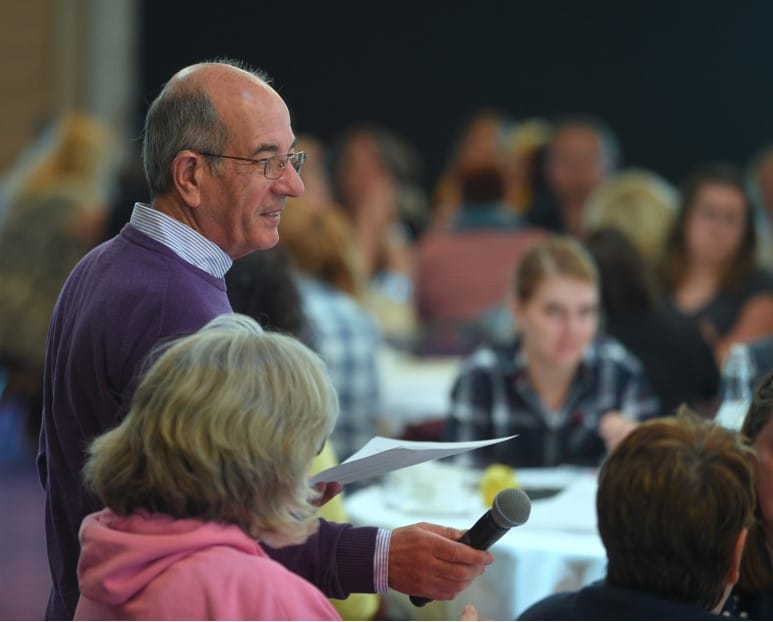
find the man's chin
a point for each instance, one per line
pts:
(264, 244)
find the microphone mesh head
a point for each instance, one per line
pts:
(511, 507)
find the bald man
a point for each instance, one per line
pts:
(220, 163)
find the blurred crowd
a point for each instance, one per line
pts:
(382, 257)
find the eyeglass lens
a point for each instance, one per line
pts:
(276, 164)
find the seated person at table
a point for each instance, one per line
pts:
(569, 394)
(677, 360)
(211, 461)
(710, 272)
(753, 595)
(675, 500)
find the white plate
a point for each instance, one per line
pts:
(432, 488)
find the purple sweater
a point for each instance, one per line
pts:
(122, 299)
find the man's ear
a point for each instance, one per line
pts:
(187, 171)
(735, 568)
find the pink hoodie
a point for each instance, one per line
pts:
(153, 567)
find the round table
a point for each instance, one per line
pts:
(558, 548)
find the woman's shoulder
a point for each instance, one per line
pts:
(759, 281)
(607, 349)
(490, 359)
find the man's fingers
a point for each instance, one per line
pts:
(424, 561)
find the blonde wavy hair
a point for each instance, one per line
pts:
(223, 427)
(640, 204)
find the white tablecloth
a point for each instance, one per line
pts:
(558, 548)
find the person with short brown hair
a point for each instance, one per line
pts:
(675, 501)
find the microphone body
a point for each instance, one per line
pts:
(511, 507)
(483, 533)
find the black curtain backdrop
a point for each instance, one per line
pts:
(680, 83)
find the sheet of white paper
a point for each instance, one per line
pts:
(381, 455)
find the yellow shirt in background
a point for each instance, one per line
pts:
(357, 606)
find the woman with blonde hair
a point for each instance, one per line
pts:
(53, 210)
(210, 463)
(640, 204)
(568, 393)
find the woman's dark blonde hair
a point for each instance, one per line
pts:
(321, 244)
(223, 427)
(560, 255)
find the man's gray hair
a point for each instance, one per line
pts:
(181, 117)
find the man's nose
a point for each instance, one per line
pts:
(290, 183)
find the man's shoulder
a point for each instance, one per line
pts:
(560, 606)
(128, 252)
(602, 601)
(121, 283)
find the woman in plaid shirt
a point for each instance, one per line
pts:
(568, 393)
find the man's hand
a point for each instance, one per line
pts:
(425, 560)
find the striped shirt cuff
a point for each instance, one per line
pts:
(381, 561)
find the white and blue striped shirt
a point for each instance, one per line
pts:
(189, 244)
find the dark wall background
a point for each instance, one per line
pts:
(679, 82)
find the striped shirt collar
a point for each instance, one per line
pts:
(184, 241)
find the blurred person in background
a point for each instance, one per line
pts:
(569, 393)
(320, 244)
(479, 145)
(676, 359)
(582, 152)
(374, 177)
(318, 191)
(759, 181)
(54, 213)
(523, 161)
(753, 594)
(675, 502)
(463, 273)
(640, 204)
(710, 271)
(209, 465)
(263, 286)
(374, 180)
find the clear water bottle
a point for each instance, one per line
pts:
(736, 387)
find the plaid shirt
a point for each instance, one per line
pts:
(492, 397)
(347, 339)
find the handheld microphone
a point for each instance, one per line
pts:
(511, 507)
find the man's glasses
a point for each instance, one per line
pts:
(273, 167)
